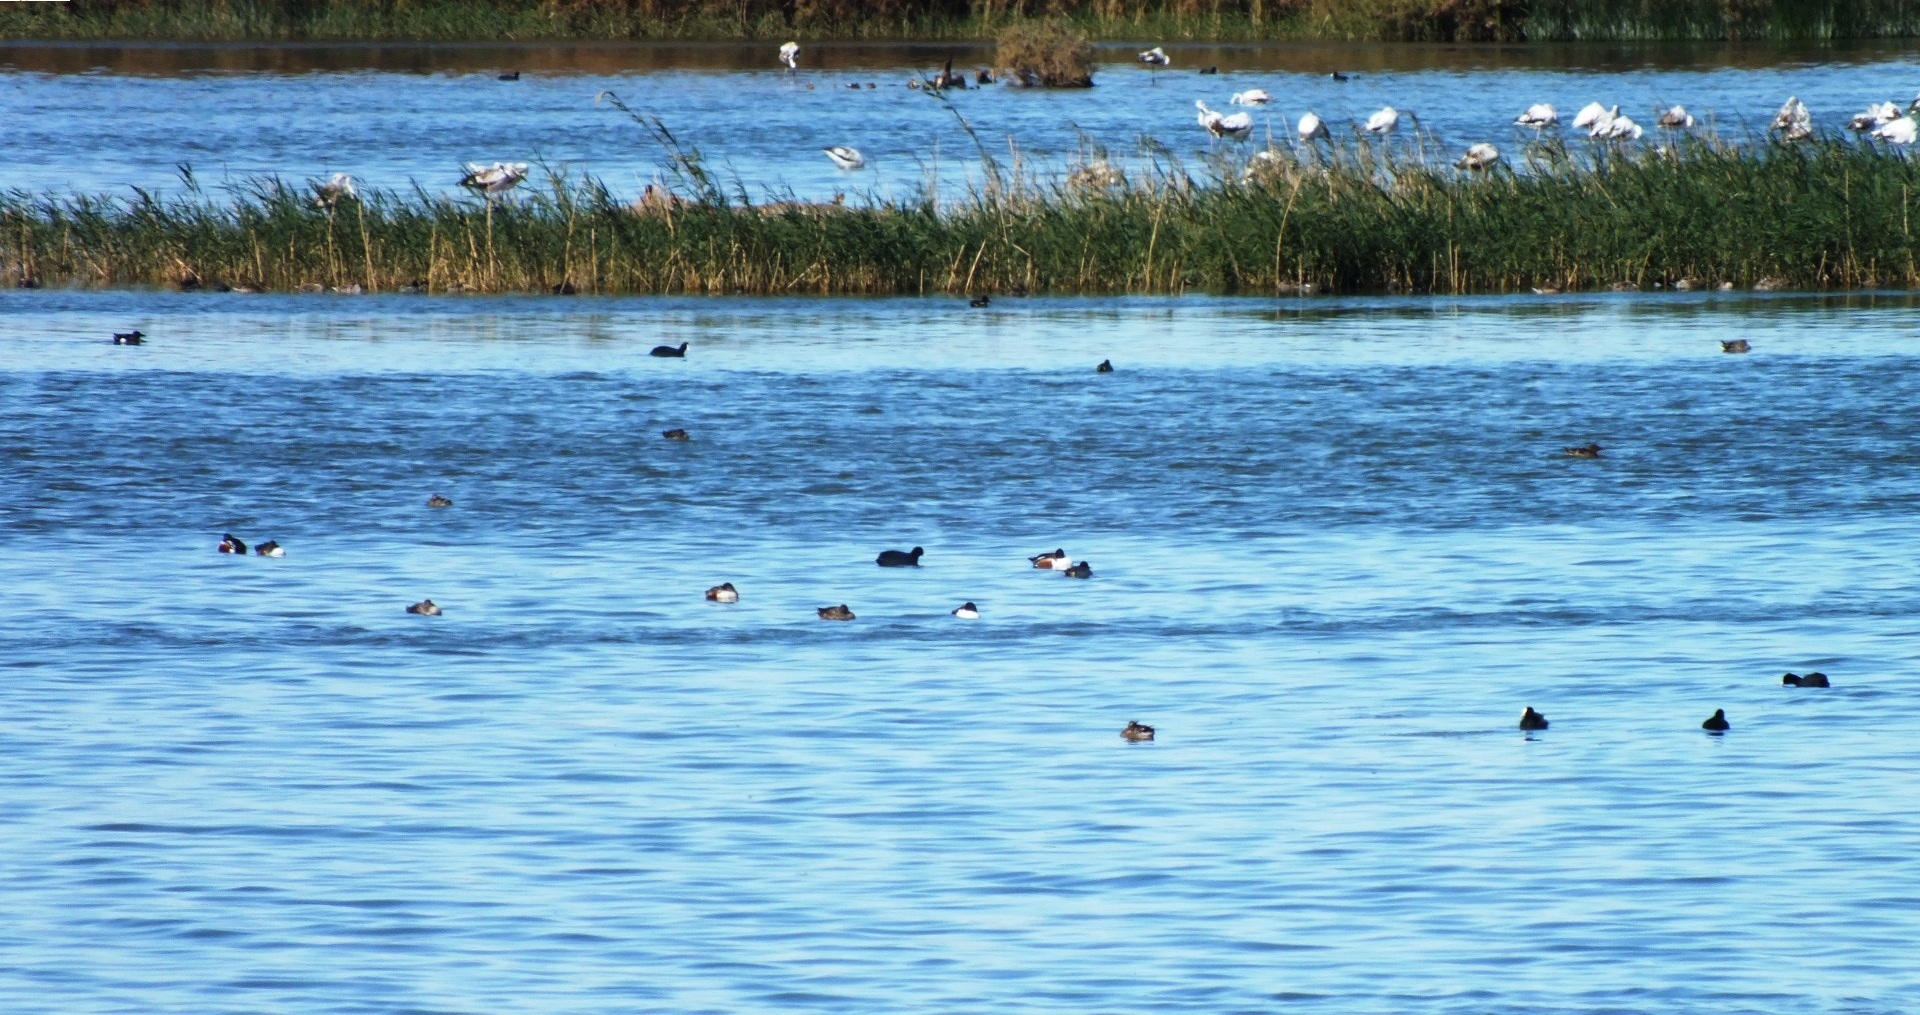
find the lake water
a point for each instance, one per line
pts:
(110, 118)
(1336, 549)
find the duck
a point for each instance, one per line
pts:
(846, 157)
(675, 434)
(1539, 116)
(512, 75)
(947, 78)
(835, 612)
(1735, 345)
(897, 558)
(1814, 679)
(670, 352)
(980, 301)
(1531, 720)
(1587, 451)
(723, 593)
(424, 608)
(1478, 157)
(1717, 722)
(229, 543)
(134, 337)
(1339, 76)
(1137, 731)
(1051, 561)
(1105, 367)
(270, 549)
(967, 611)
(437, 501)
(1080, 570)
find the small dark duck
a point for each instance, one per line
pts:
(835, 612)
(980, 301)
(438, 501)
(512, 75)
(1137, 731)
(270, 549)
(669, 352)
(1717, 722)
(675, 434)
(1531, 720)
(723, 593)
(1080, 570)
(1736, 345)
(1814, 679)
(229, 543)
(424, 608)
(1105, 367)
(1588, 451)
(133, 337)
(895, 558)
(967, 611)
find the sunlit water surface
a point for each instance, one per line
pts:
(1336, 550)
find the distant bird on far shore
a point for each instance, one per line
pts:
(846, 157)
(496, 179)
(670, 352)
(790, 55)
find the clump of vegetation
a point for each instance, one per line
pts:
(1045, 54)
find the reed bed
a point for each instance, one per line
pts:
(1161, 20)
(1823, 214)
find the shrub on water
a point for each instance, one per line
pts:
(1047, 54)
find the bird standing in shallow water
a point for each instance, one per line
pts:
(896, 558)
(1312, 128)
(1717, 722)
(790, 54)
(1531, 720)
(670, 352)
(1539, 116)
(1137, 731)
(723, 593)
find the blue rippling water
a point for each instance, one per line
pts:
(1336, 550)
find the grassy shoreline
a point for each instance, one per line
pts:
(1826, 214)
(1159, 20)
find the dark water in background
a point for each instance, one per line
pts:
(107, 118)
(1336, 550)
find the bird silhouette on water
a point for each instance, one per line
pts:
(897, 558)
(1531, 720)
(1717, 722)
(669, 352)
(1814, 679)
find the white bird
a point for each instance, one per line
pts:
(1588, 115)
(1311, 127)
(1676, 118)
(1251, 97)
(1236, 126)
(1794, 121)
(1155, 57)
(967, 611)
(1875, 116)
(495, 179)
(790, 54)
(1538, 116)
(1616, 127)
(1386, 121)
(1901, 130)
(1480, 156)
(846, 157)
(330, 193)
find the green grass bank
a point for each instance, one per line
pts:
(1819, 215)
(1158, 20)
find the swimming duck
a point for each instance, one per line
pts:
(1080, 570)
(895, 558)
(1735, 345)
(270, 549)
(967, 611)
(835, 612)
(1717, 722)
(133, 337)
(1048, 561)
(979, 301)
(846, 157)
(438, 501)
(424, 608)
(723, 593)
(669, 351)
(1531, 720)
(675, 434)
(1105, 367)
(1814, 679)
(1589, 451)
(1137, 731)
(231, 544)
